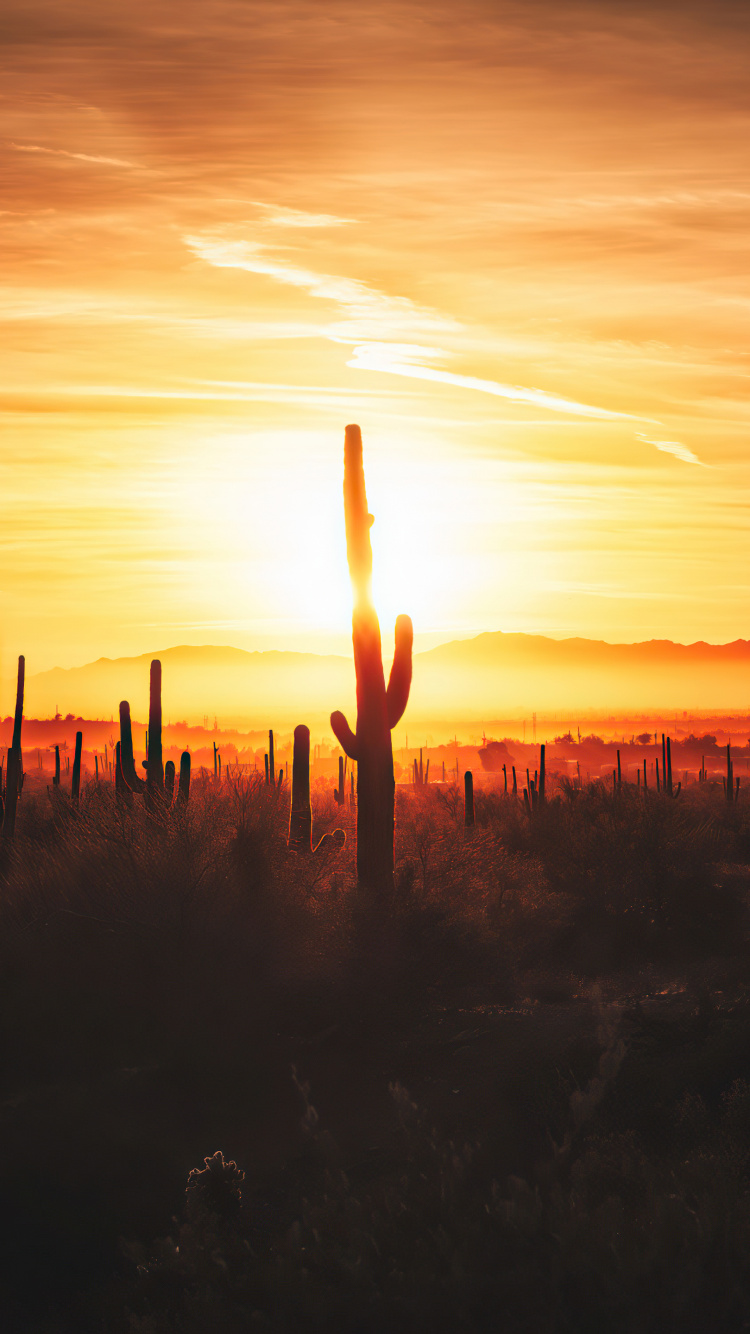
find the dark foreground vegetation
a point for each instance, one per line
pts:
(513, 1095)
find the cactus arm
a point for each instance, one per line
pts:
(169, 772)
(399, 681)
(127, 761)
(344, 734)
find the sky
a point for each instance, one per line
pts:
(509, 239)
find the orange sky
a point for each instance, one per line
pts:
(509, 239)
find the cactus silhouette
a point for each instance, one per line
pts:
(169, 781)
(731, 785)
(378, 709)
(127, 761)
(155, 766)
(300, 819)
(338, 792)
(183, 791)
(468, 799)
(56, 779)
(76, 781)
(14, 771)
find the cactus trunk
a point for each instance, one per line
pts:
(183, 791)
(155, 767)
(127, 760)
(123, 792)
(300, 819)
(468, 799)
(169, 781)
(378, 709)
(14, 771)
(76, 781)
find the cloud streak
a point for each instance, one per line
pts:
(279, 216)
(674, 447)
(409, 362)
(366, 308)
(80, 157)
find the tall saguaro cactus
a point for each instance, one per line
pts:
(378, 709)
(155, 765)
(14, 772)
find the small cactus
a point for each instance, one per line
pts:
(468, 799)
(338, 792)
(169, 772)
(183, 791)
(75, 788)
(300, 819)
(731, 785)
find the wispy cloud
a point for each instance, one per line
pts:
(280, 216)
(675, 447)
(368, 312)
(80, 157)
(366, 308)
(410, 361)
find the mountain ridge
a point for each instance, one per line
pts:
(492, 671)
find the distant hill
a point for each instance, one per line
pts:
(491, 675)
(198, 681)
(497, 671)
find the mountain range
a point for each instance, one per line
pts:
(491, 676)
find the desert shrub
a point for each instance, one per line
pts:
(158, 976)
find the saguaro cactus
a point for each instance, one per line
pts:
(14, 771)
(468, 799)
(183, 791)
(730, 783)
(300, 819)
(127, 760)
(378, 709)
(338, 792)
(76, 781)
(155, 764)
